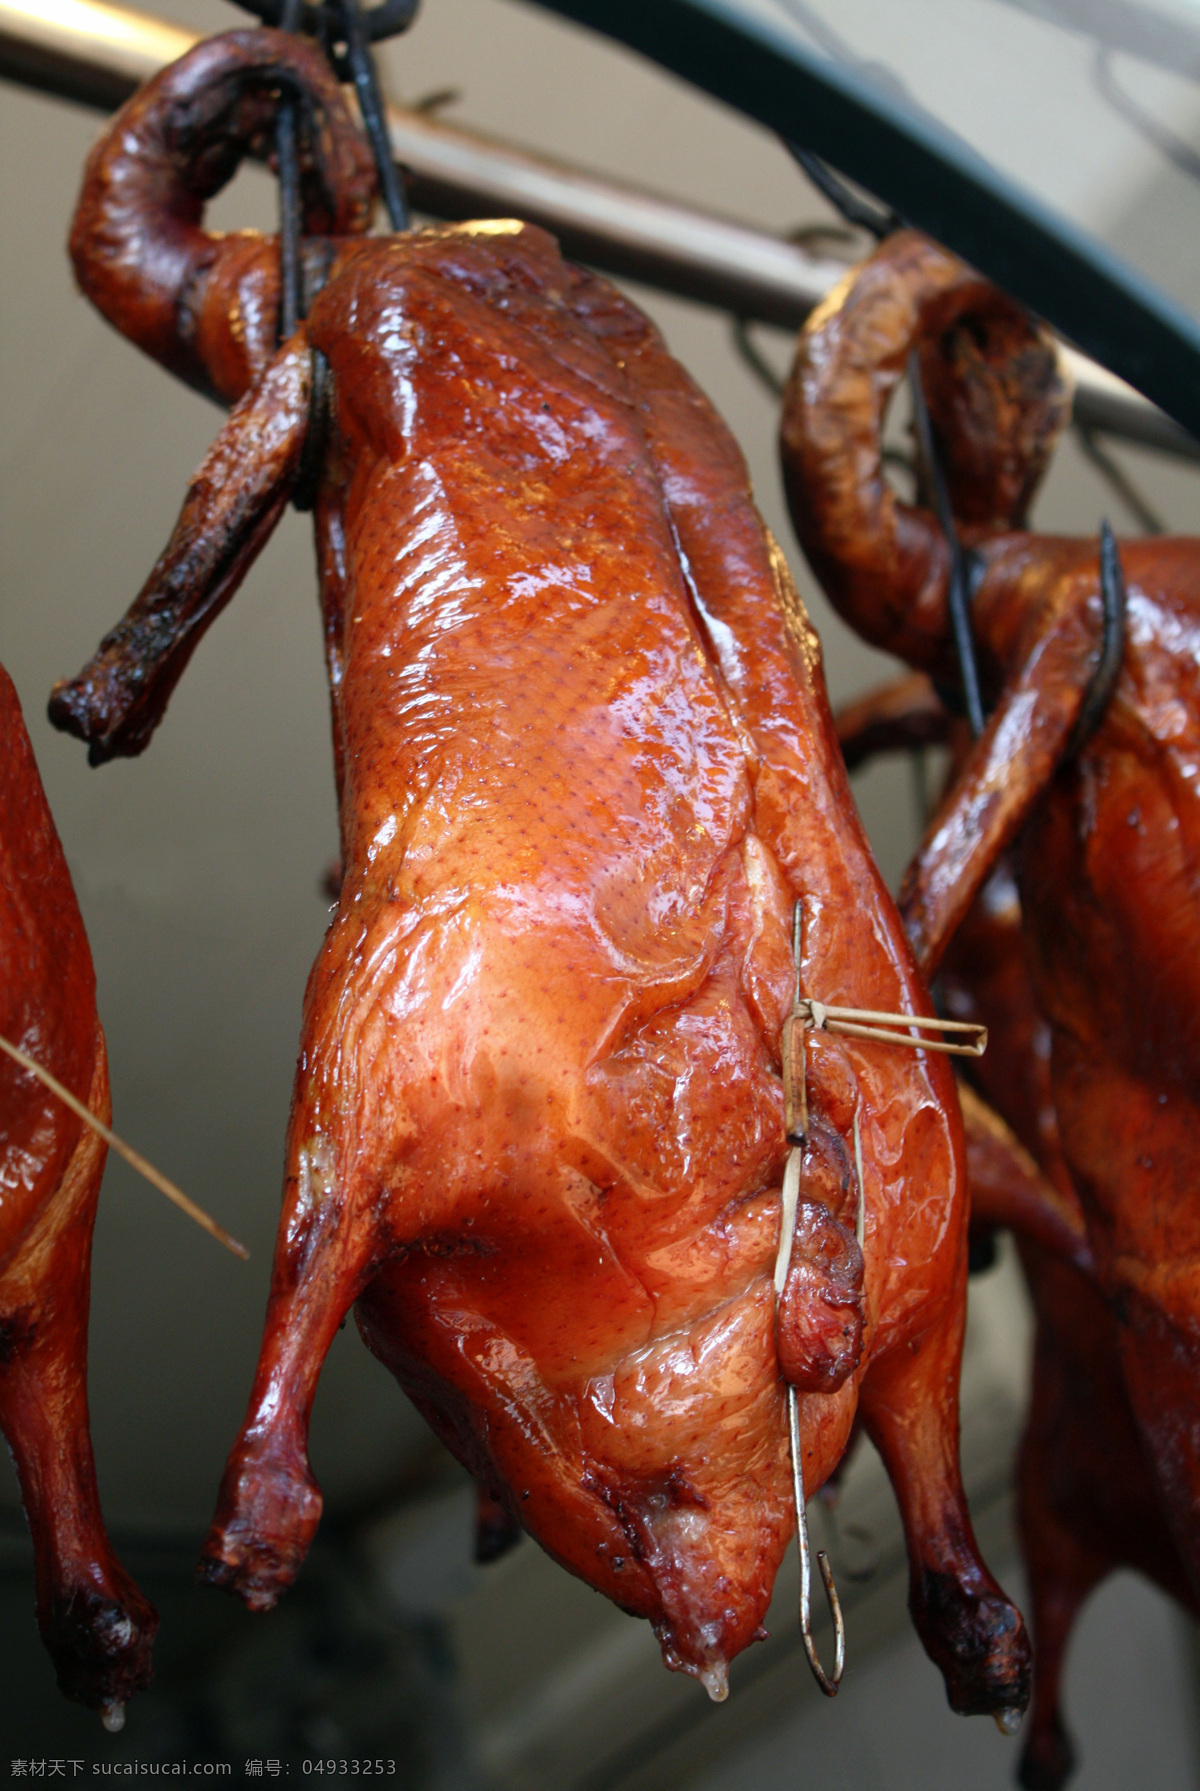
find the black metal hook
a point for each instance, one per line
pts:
(877, 220)
(331, 22)
(312, 455)
(359, 28)
(388, 19)
(362, 70)
(1112, 643)
(291, 221)
(964, 566)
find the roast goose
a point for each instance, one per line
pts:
(94, 1621)
(585, 768)
(1085, 966)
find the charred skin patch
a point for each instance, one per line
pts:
(101, 1644)
(977, 1639)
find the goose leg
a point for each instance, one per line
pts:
(98, 1627)
(269, 1503)
(235, 500)
(970, 1630)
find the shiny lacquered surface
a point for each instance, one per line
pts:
(1086, 970)
(586, 767)
(97, 1626)
(47, 989)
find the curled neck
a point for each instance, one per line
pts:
(996, 401)
(137, 240)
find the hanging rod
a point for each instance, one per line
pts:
(97, 54)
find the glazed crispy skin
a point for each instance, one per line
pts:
(205, 306)
(97, 1626)
(1087, 1502)
(543, 1028)
(1108, 845)
(1087, 985)
(585, 764)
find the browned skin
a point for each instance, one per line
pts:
(96, 1624)
(206, 306)
(1087, 1499)
(1018, 1178)
(1091, 1010)
(585, 766)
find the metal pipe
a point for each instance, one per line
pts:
(97, 54)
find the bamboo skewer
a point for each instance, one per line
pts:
(132, 1157)
(866, 1023)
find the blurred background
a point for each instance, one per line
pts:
(200, 872)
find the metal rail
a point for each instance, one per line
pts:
(97, 54)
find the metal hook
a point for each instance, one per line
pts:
(386, 20)
(1112, 643)
(828, 1682)
(370, 104)
(788, 1201)
(291, 219)
(358, 29)
(863, 1568)
(877, 220)
(963, 567)
(796, 1105)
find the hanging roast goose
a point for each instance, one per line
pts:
(96, 1624)
(1100, 803)
(585, 768)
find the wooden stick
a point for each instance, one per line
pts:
(868, 1023)
(793, 1050)
(868, 1014)
(795, 1077)
(131, 1156)
(976, 1048)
